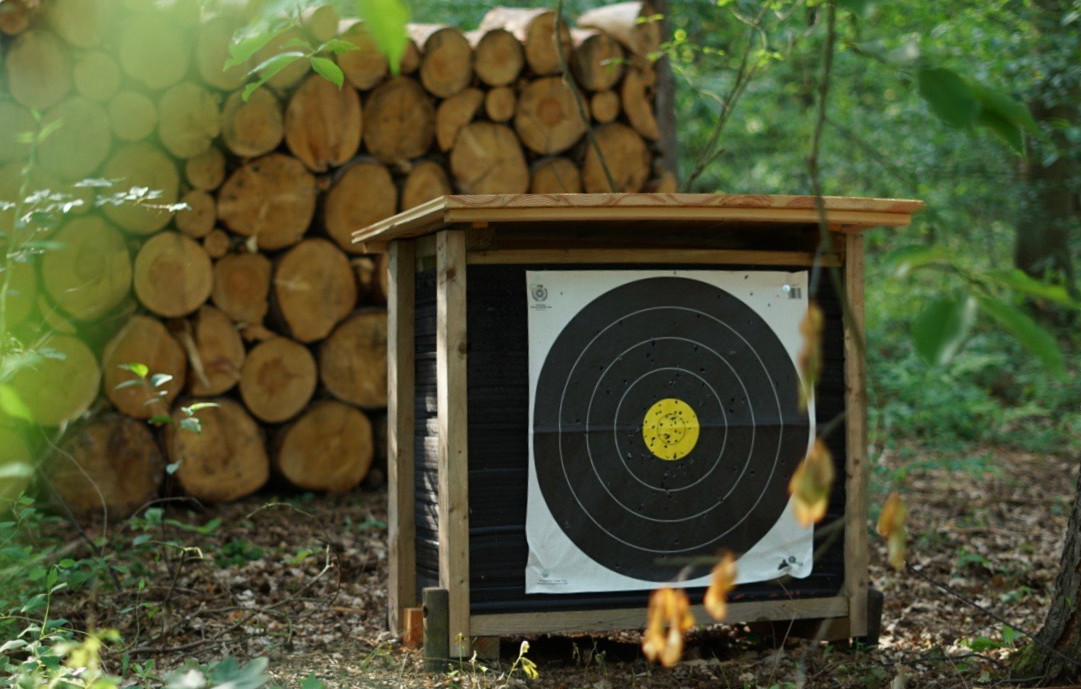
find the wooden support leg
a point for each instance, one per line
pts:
(436, 633)
(486, 647)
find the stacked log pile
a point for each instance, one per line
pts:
(252, 296)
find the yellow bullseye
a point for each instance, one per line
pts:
(670, 429)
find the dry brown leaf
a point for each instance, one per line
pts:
(811, 483)
(721, 582)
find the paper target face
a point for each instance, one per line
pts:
(664, 423)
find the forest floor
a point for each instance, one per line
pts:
(301, 579)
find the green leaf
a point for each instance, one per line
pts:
(172, 467)
(327, 69)
(243, 50)
(160, 420)
(13, 405)
(15, 470)
(337, 46)
(941, 328)
(311, 682)
(949, 96)
(272, 65)
(906, 259)
(1009, 634)
(1020, 281)
(141, 370)
(856, 7)
(1006, 107)
(192, 408)
(159, 379)
(191, 424)
(250, 89)
(1028, 332)
(1009, 132)
(385, 21)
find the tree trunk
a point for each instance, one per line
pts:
(242, 287)
(226, 460)
(500, 104)
(446, 63)
(132, 115)
(217, 243)
(206, 171)
(364, 193)
(455, 113)
(555, 176)
(142, 165)
(112, 464)
(173, 274)
(497, 56)
(278, 379)
(314, 289)
(38, 69)
(90, 272)
(400, 121)
(627, 157)
(487, 159)
(59, 389)
(253, 127)
(548, 120)
(597, 61)
(197, 220)
(143, 340)
(353, 360)
(426, 180)
(271, 198)
(189, 119)
(604, 106)
(536, 30)
(323, 124)
(329, 448)
(215, 351)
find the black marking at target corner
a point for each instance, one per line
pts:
(634, 345)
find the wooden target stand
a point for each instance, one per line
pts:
(443, 493)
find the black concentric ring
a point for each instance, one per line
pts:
(647, 340)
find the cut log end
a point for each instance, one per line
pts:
(278, 379)
(323, 124)
(271, 198)
(487, 159)
(226, 460)
(364, 194)
(242, 287)
(329, 448)
(173, 274)
(314, 289)
(60, 388)
(352, 361)
(143, 340)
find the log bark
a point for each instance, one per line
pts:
(15, 16)
(500, 104)
(112, 465)
(277, 380)
(215, 351)
(498, 57)
(426, 180)
(597, 60)
(271, 198)
(329, 448)
(212, 52)
(627, 157)
(217, 243)
(198, 219)
(535, 29)
(637, 95)
(323, 124)
(291, 74)
(630, 23)
(321, 22)
(353, 360)
(254, 127)
(96, 75)
(446, 64)
(90, 272)
(314, 289)
(453, 114)
(548, 120)
(60, 388)
(17, 120)
(487, 159)
(82, 23)
(206, 171)
(399, 121)
(143, 340)
(142, 165)
(190, 118)
(132, 115)
(365, 193)
(366, 66)
(153, 51)
(38, 69)
(555, 176)
(242, 287)
(226, 460)
(604, 106)
(81, 142)
(173, 275)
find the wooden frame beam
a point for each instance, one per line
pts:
(689, 256)
(453, 434)
(856, 464)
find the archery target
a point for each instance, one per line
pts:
(664, 426)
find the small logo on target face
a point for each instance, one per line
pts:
(539, 292)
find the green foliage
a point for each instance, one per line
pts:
(386, 20)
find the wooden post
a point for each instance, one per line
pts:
(856, 466)
(402, 570)
(453, 434)
(436, 636)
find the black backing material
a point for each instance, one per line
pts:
(498, 408)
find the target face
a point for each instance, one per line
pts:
(665, 424)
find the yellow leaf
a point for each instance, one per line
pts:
(810, 485)
(721, 582)
(810, 355)
(891, 526)
(669, 618)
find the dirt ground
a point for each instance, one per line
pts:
(301, 579)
